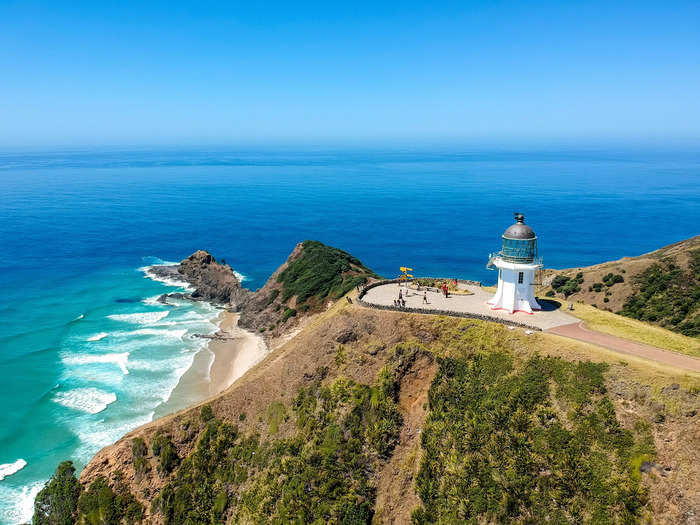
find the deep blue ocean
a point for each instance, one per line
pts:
(86, 353)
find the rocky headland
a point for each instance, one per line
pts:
(372, 416)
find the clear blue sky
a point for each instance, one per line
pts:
(141, 72)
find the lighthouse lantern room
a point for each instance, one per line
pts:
(517, 263)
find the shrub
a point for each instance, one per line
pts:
(102, 505)
(550, 293)
(321, 473)
(288, 312)
(166, 453)
(668, 296)
(57, 502)
(139, 451)
(339, 355)
(62, 501)
(496, 451)
(596, 287)
(567, 285)
(612, 279)
(321, 271)
(273, 295)
(276, 414)
(206, 413)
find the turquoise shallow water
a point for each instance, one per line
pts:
(85, 352)
(103, 356)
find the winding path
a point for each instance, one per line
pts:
(625, 346)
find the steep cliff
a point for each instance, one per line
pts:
(312, 276)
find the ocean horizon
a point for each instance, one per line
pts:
(88, 353)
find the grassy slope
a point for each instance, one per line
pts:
(674, 305)
(640, 395)
(313, 275)
(320, 272)
(634, 330)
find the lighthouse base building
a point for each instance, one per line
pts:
(517, 264)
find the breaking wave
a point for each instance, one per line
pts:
(144, 318)
(168, 281)
(17, 504)
(89, 400)
(97, 337)
(7, 469)
(120, 359)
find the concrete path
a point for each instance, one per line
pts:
(467, 304)
(625, 346)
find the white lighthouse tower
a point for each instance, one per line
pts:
(517, 263)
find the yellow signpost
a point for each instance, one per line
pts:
(405, 276)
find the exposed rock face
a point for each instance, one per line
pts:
(213, 281)
(317, 276)
(261, 311)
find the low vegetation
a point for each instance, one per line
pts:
(139, 451)
(669, 296)
(612, 279)
(288, 312)
(164, 450)
(57, 502)
(536, 443)
(567, 285)
(63, 501)
(320, 272)
(320, 473)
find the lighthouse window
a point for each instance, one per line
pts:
(520, 277)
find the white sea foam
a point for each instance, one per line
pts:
(120, 359)
(177, 334)
(240, 276)
(17, 504)
(102, 433)
(143, 318)
(152, 301)
(7, 469)
(90, 400)
(97, 337)
(81, 316)
(177, 283)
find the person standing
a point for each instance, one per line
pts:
(425, 297)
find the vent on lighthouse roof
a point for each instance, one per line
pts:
(519, 230)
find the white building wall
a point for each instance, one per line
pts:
(512, 295)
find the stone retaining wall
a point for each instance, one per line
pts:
(429, 311)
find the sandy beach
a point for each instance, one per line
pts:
(224, 359)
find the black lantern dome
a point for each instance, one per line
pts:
(519, 242)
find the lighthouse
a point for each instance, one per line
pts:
(517, 263)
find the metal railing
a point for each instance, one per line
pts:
(507, 258)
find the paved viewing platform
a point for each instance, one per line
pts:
(473, 304)
(550, 319)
